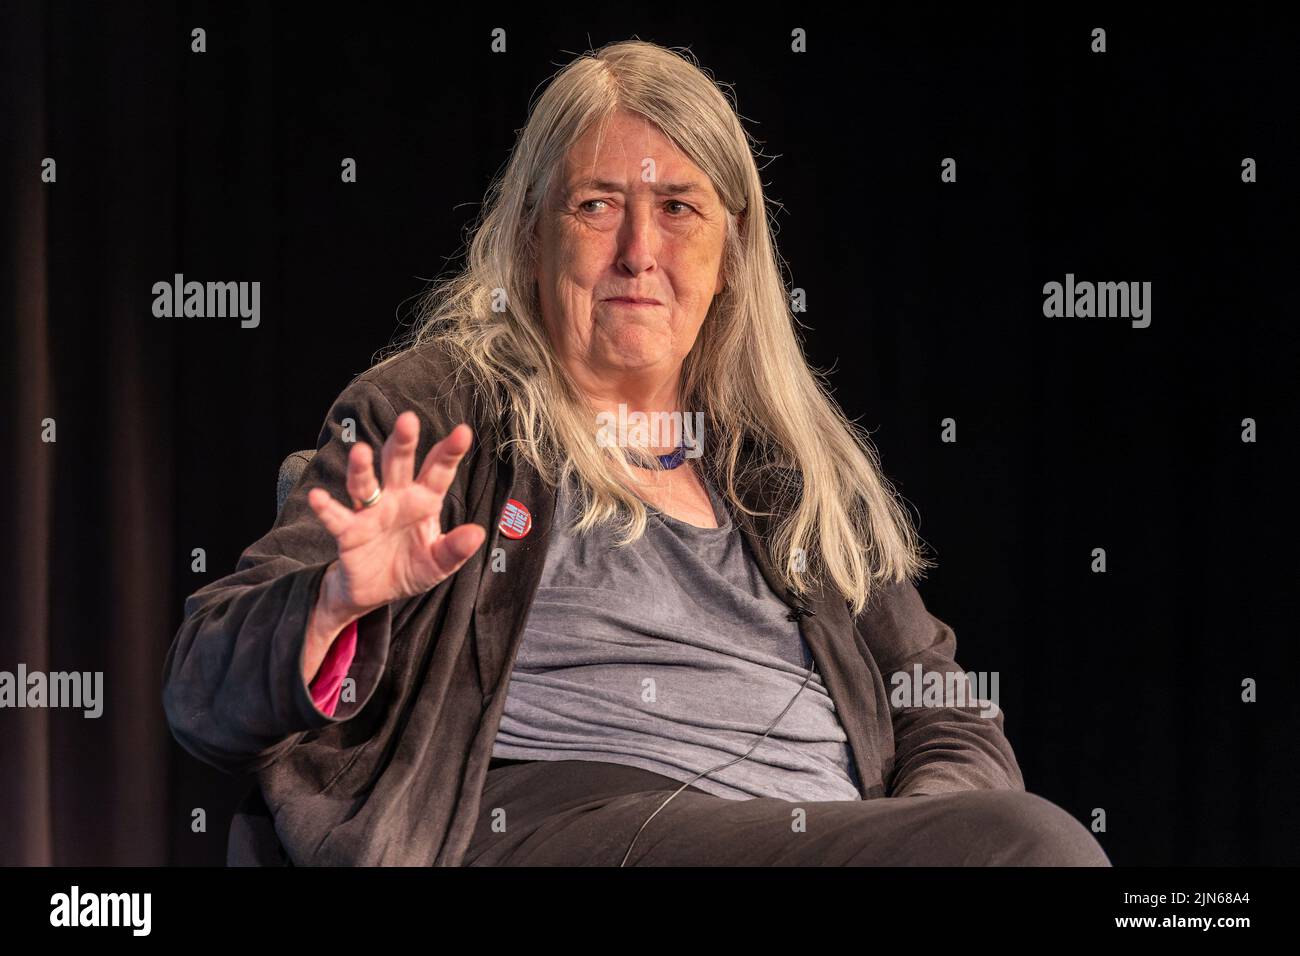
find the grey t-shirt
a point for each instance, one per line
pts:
(674, 655)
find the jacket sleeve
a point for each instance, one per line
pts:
(937, 749)
(233, 690)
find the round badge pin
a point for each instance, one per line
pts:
(516, 520)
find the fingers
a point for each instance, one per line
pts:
(454, 548)
(443, 459)
(332, 514)
(398, 455)
(361, 473)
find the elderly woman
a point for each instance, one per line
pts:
(533, 638)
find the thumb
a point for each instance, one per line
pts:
(453, 549)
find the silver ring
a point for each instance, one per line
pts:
(370, 502)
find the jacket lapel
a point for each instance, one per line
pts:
(506, 594)
(829, 632)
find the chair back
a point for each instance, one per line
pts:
(291, 470)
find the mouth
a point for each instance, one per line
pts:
(633, 302)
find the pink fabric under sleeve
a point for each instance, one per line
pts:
(327, 685)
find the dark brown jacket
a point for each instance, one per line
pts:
(394, 776)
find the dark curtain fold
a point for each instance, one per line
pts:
(89, 556)
(163, 167)
(25, 553)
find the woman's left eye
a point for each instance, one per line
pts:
(678, 202)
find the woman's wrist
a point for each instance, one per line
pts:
(330, 616)
(332, 601)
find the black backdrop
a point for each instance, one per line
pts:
(1122, 690)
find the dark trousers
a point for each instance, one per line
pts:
(585, 813)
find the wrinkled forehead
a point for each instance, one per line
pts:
(620, 137)
(621, 146)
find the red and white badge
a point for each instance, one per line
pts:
(516, 520)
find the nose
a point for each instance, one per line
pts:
(638, 239)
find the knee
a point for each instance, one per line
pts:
(1024, 829)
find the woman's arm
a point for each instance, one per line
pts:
(327, 684)
(936, 749)
(330, 619)
(235, 691)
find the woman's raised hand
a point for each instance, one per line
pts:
(395, 548)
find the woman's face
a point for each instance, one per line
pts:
(628, 216)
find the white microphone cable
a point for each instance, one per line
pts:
(702, 773)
